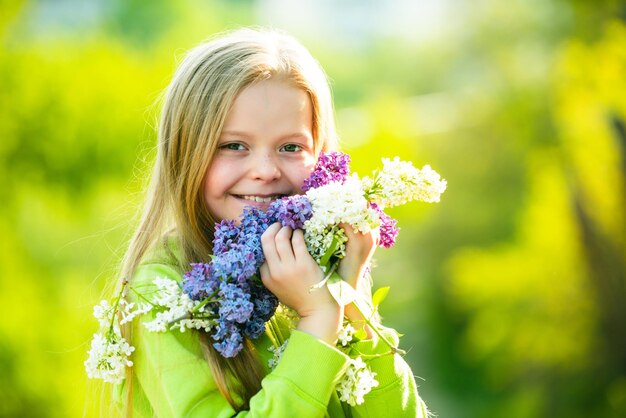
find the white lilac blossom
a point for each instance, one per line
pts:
(104, 313)
(319, 241)
(128, 311)
(346, 334)
(337, 197)
(108, 358)
(109, 353)
(277, 354)
(176, 308)
(336, 203)
(357, 382)
(400, 182)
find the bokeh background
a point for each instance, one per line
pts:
(511, 292)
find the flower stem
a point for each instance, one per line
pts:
(140, 296)
(115, 308)
(276, 335)
(281, 337)
(208, 299)
(393, 348)
(330, 272)
(190, 314)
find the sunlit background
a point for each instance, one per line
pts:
(510, 293)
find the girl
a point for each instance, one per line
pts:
(243, 121)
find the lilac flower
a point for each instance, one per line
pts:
(253, 223)
(242, 303)
(388, 229)
(235, 303)
(108, 357)
(231, 345)
(254, 328)
(331, 166)
(242, 311)
(245, 237)
(291, 211)
(222, 329)
(240, 263)
(199, 283)
(265, 303)
(225, 236)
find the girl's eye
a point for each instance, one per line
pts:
(291, 148)
(232, 146)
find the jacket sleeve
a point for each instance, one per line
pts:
(175, 380)
(396, 394)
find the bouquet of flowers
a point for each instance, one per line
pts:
(226, 298)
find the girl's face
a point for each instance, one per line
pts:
(265, 150)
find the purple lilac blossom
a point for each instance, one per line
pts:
(254, 220)
(231, 345)
(265, 303)
(221, 329)
(239, 264)
(330, 166)
(199, 283)
(235, 305)
(388, 229)
(291, 211)
(254, 328)
(225, 236)
(242, 303)
(253, 223)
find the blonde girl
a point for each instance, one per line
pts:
(243, 121)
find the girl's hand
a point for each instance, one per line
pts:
(359, 251)
(289, 272)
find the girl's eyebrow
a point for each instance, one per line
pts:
(295, 135)
(242, 134)
(234, 133)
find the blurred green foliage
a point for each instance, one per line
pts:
(510, 292)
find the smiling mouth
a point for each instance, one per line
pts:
(260, 199)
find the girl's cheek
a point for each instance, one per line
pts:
(309, 164)
(303, 166)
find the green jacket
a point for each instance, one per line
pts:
(171, 378)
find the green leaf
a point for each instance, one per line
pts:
(361, 334)
(379, 296)
(329, 252)
(341, 291)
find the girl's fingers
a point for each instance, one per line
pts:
(299, 245)
(265, 273)
(369, 238)
(268, 243)
(283, 244)
(347, 228)
(376, 236)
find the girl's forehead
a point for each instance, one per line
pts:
(270, 105)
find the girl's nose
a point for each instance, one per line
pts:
(265, 168)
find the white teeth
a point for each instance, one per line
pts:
(260, 199)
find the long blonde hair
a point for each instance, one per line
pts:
(195, 106)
